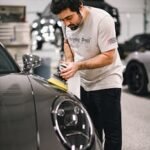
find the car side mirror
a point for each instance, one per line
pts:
(30, 62)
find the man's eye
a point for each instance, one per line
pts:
(69, 18)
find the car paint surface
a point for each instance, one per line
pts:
(20, 115)
(26, 106)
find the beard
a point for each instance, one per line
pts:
(76, 26)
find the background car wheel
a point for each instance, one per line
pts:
(39, 45)
(136, 78)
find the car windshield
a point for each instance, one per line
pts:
(7, 65)
(140, 39)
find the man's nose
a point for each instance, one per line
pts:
(67, 23)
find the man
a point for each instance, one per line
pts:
(90, 47)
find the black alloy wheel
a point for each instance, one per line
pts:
(136, 78)
(39, 45)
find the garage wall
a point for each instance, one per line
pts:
(131, 14)
(32, 6)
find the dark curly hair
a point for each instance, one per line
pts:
(58, 6)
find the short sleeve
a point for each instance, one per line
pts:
(107, 34)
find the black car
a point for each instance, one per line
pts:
(47, 28)
(113, 11)
(36, 115)
(139, 42)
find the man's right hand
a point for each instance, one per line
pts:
(70, 70)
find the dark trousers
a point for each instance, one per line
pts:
(105, 110)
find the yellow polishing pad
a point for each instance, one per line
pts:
(58, 83)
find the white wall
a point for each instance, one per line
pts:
(131, 14)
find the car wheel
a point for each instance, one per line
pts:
(39, 45)
(136, 78)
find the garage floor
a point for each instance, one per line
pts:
(136, 121)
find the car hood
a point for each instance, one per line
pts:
(20, 86)
(45, 95)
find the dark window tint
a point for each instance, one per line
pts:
(140, 39)
(7, 65)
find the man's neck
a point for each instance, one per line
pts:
(85, 12)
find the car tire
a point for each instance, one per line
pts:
(39, 45)
(136, 78)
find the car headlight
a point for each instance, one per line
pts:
(43, 21)
(34, 25)
(59, 23)
(52, 21)
(72, 123)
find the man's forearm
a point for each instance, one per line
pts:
(98, 61)
(69, 57)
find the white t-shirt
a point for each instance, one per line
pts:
(95, 36)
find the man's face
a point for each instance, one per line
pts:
(70, 18)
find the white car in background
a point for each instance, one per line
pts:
(137, 72)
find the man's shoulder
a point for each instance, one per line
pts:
(98, 13)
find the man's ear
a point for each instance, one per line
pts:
(81, 7)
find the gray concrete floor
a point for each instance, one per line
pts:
(135, 121)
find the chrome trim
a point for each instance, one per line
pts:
(58, 102)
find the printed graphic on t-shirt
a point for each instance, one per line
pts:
(81, 40)
(78, 41)
(112, 40)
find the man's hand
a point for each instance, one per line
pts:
(70, 70)
(98, 61)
